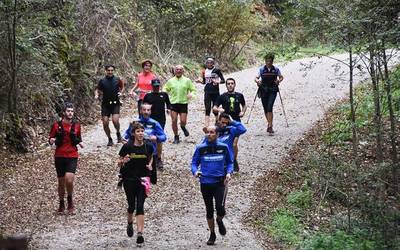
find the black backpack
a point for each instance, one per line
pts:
(60, 134)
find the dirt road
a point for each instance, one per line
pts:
(175, 213)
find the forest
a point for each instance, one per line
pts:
(337, 188)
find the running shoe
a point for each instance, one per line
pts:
(185, 131)
(110, 142)
(235, 166)
(212, 239)
(270, 130)
(176, 139)
(119, 138)
(71, 207)
(129, 229)
(221, 227)
(139, 239)
(61, 208)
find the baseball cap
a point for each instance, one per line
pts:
(155, 82)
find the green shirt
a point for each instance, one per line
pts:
(178, 89)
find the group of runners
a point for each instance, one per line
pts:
(214, 159)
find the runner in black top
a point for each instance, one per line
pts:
(268, 79)
(159, 101)
(136, 163)
(233, 104)
(111, 88)
(211, 77)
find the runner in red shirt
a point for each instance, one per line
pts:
(66, 134)
(143, 83)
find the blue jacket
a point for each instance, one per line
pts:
(213, 160)
(151, 127)
(227, 135)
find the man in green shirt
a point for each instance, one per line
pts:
(180, 90)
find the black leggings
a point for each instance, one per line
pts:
(135, 195)
(209, 102)
(268, 99)
(216, 191)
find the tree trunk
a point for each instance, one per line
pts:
(12, 66)
(392, 118)
(377, 105)
(352, 109)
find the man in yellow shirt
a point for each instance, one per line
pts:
(180, 90)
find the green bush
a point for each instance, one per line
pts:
(300, 199)
(285, 227)
(340, 240)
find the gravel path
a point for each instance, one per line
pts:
(175, 213)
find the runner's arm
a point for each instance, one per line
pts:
(237, 128)
(192, 89)
(217, 103)
(98, 91)
(52, 134)
(195, 162)
(221, 77)
(159, 133)
(167, 102)
(127, 134)
(135, 87)
(243, 106)
(279, 78)
(121, 85)
(228, 161)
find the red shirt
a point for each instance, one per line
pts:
(144, 83)
(66, 149)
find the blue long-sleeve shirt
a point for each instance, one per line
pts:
(151, 127)
(213, 160)
(227, 135)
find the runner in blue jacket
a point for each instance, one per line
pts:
(153, 132)
(228, 130)
(212, 163)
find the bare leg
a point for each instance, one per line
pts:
(206, 121)
(115, 120)
(235, 147)
(183, 119)
(174, 118)
(69, 182)
(61, 188)
(105, 126)
(140, 223)
(269, 117)
(130, 217)
(211, 225)
(159, 150)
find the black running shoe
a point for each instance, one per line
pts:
(139, 239)
(176, 139)
(221, 227)
(61, 208)
(270, 131)
(119, 138)
(235, 166)
(129, 230)
(212, 239)
(110, 142)
(185, 131)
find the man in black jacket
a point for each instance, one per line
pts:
(111, 88)
(159, 102)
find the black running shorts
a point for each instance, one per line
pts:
(179, 108)
(64, 165)
(209, 102)
(107, 110)
(268, 99)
